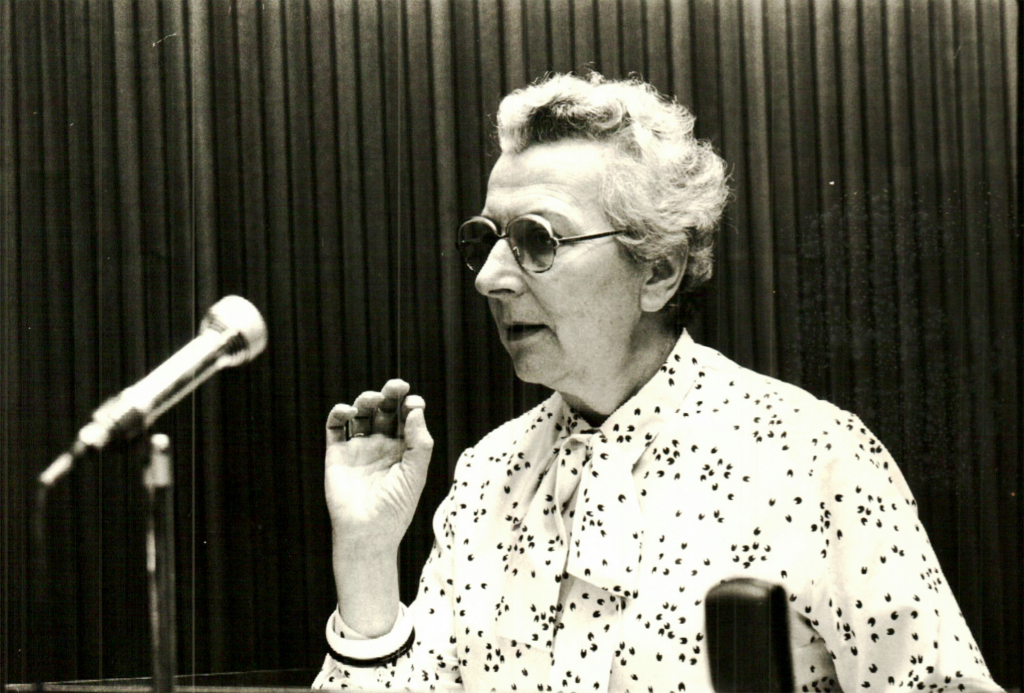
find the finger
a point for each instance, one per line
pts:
(393, 391)
(408, 404)
(368, 401)
(337, 423)
(366, 404)
(418, 445)
(386, 416)
(384, 422)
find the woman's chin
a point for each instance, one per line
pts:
(532, 368)
(526, 371)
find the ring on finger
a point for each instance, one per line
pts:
(358, 426)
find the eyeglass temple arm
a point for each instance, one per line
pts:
(574, 239)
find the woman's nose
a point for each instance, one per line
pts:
(501, 273)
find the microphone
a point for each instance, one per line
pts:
(231, 333)
(748, 637)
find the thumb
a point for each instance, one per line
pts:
(418, 444)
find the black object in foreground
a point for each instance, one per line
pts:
(748, 637)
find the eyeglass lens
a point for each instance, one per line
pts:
(531, 243)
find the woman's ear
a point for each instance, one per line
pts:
(662, 281)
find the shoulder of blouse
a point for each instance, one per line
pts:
(726, 373)
(838, 435)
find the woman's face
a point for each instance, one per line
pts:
(576, 323)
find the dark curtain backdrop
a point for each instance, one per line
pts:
(316, 157)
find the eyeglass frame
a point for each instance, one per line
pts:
(502, 233)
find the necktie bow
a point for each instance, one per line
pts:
(578, 513)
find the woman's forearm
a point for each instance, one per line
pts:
(367, 590)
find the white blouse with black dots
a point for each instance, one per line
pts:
(575, 559)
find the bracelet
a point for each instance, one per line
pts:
(376, 661)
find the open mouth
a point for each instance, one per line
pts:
(520, 332)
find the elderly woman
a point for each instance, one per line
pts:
(579, 540)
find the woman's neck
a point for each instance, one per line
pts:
(599, 400)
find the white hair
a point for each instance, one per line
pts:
(669, 189)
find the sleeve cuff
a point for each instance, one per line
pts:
(348, 647)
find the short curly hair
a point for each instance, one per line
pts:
(669, 192)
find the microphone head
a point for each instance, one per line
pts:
(241, 322)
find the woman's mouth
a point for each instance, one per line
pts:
(520, 332)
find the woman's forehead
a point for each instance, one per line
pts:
(558, 179)
(503, 205)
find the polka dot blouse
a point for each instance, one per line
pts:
(578, 559)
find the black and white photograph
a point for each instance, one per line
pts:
(511, 345)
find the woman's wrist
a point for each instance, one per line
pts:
(367, 586)
(366, 549)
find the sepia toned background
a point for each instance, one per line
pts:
(316, 156)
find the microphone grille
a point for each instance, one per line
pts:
(238, 318)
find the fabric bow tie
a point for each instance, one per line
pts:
(598, 540)
(608, 526)
(536, 560)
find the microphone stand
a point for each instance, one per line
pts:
(158, 478)
(40, 623)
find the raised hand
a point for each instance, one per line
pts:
(378, 451)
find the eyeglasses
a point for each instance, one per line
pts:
(531, 238)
